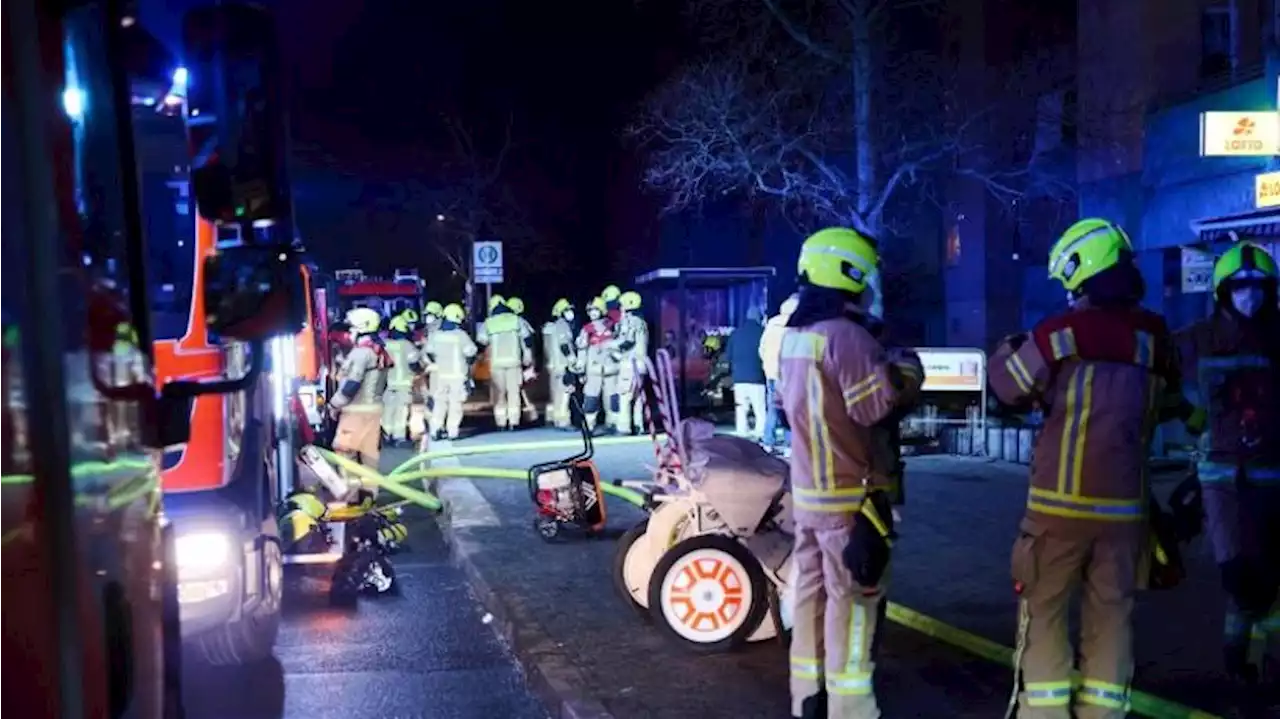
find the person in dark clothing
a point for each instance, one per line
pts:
(747, 373)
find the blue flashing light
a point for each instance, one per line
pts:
(180, 77)
(73, 102)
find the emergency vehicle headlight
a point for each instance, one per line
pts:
(201, 553)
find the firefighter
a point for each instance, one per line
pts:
(597, 365)
(406, 367)
(1234, 358)
(559, 357)
(1103, 368)
(529, 411)
(612, 297)
(508, 358)
(432, 316)
(631, 349)
(362, 380)
(451, 352)
(836, 384)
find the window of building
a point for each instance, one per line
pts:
(1217, 40)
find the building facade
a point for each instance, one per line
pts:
(1015, 70)
(1147, 71)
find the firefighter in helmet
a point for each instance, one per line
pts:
(508, 357)
(612, 297)
(1233, 359)
(599, 366)
(432, 315)
(1104, 367)
(837, 383)
(632, 349)
(529, 411)
(451, 352)
(362, 382)
(405, 369)
(560, 355)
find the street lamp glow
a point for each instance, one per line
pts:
(439, 218)
(73, 102)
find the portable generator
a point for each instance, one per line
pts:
(567, 493)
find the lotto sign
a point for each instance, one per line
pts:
(1266, 190)
(486, 262)
(953, 370)
(1239, 134)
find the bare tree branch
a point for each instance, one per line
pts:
(837, 142)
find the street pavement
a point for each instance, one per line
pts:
(952, 564)
(427, 653)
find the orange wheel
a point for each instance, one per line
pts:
(709, 592)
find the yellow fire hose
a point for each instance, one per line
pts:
(518, 447)
(395, 482)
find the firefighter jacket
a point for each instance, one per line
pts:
(501, 334)
(595, 349)
(837, 384)
(560, 354)
(526, 336)
(1234, 370)
(1103, 377)
(362, 379)
(406, 363)
(631, 341)
(450, 353)
(771, 345)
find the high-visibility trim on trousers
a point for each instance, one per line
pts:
(1059, 504)
(829, 500)
(1103, 694)
(1223, 473)
(1049, 694)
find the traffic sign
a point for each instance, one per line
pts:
(486, 262)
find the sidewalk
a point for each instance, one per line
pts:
(960, 519)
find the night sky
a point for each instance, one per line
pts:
(370, 83)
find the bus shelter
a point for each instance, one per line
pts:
(686, 305)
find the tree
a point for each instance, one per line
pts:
(816, 106)
(472, 201)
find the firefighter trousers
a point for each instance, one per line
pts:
(627, 416)
(599, 392)
(358, 435)
(748, 397)
(835, 629)
(1242, 519)
(1049, 567)
(395, 411)
(447, 396)
(558, 406)
(506, 395)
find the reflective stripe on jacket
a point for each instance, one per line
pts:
(836, 385)
(1103, 375)
(502, 334)
(450, 353)
(559, 350)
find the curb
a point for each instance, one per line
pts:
(551, 673)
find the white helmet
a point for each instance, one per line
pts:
(363, 320)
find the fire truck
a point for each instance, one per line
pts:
(128, 532)
(388, 295)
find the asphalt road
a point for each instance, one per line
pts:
(426, 653)
(952, 564)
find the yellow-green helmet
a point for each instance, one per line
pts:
(598, 304)
(1244, 257)
(516, 304)
(838, 258)
(495, 301)
(630, 300)
(454, 313)
(560, 307)
(399, 323)
(410, 316)
(1085, 249)
(610, 293)
(433, 308)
